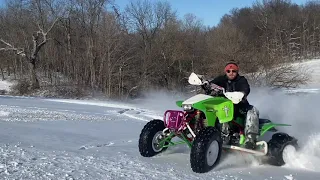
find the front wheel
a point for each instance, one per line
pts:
(206, 150)
(149, 138)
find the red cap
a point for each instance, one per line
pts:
(231, 66)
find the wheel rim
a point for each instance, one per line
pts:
(288, 153)
(212, 153)
(155, 142)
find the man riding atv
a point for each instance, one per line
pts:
(231, 81)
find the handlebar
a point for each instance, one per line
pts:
(212, 89)
(215, 90)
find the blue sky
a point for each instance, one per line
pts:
(210, 11)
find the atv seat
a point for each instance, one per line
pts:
(264, 121)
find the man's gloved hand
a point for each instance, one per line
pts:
(218, 90)
(200, 76)
(206, 87)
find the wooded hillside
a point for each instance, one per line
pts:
(94, 44)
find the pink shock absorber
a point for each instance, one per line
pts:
(173, 119)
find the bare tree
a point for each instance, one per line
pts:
(39, 39)
(94, 45)
(225, 43)
(147, 19)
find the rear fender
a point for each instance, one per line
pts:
(270, 127)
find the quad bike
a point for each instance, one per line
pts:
(207, 125)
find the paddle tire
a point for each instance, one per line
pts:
(277, 147)
(149, 137)
(206, 150)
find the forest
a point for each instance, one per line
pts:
(92, 45)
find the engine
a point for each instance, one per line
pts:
(230, 134)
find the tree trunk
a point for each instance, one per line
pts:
(109, 71)
(2, 74)
(33, 76)
(120, 80)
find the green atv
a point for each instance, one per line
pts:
(207, 125)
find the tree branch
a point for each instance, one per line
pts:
(19, 51)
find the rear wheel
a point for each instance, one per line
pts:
(279, 148)
(206, 150)
(149, 139)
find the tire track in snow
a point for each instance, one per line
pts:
(31, 113)
(140, 114)
(128, 110)
(29, 163)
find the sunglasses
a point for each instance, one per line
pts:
(234, 71)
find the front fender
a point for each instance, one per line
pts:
(179, 103)
(224, 111)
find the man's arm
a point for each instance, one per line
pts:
(218, 81)
(244, 86)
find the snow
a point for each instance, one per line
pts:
(313, 69)
(77, 139)
(85, 139)
(301, 90)
(5, 85)
(129, 110)
(4, 113)
(89, 102)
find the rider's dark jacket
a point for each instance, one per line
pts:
(239, 83)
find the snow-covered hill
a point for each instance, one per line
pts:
(312, 67)
(77, 139)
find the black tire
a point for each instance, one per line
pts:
(276, 145)
(198, 156)
(146, 137)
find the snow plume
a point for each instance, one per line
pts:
(160, 101)
(308, 157)
(299, 110)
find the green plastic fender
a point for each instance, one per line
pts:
(224, 110)
(268, 126)
(179, 103)
(216, 107)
